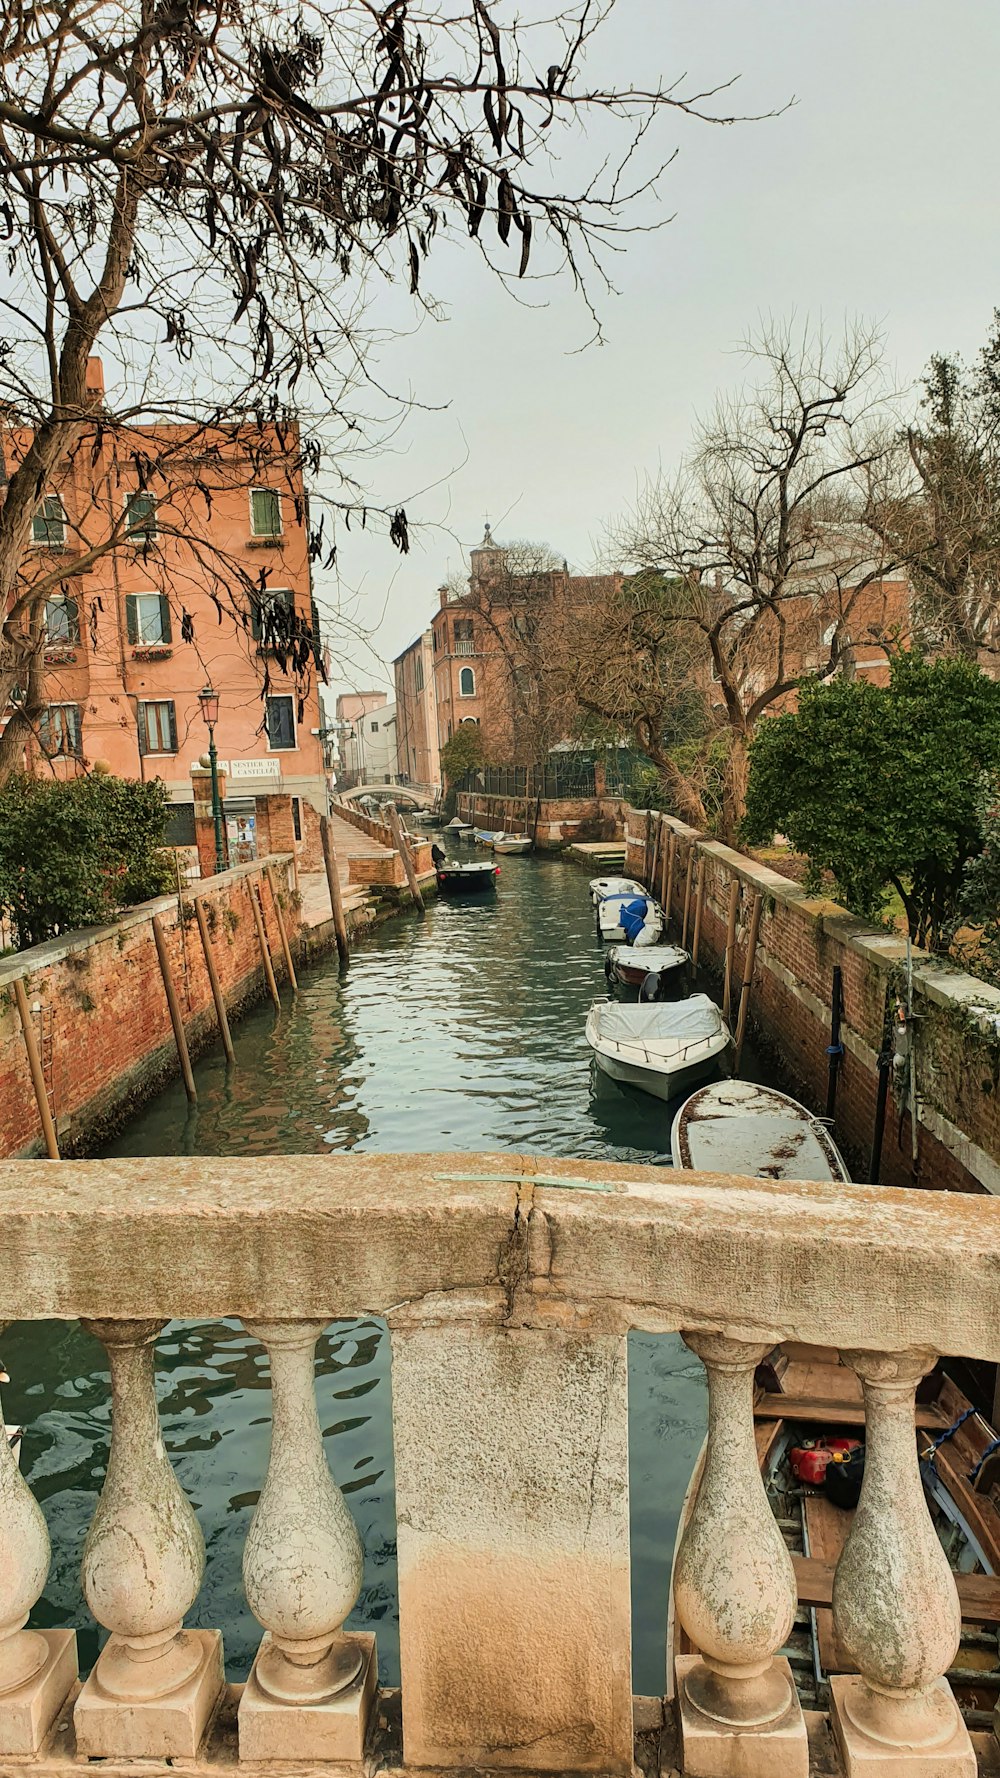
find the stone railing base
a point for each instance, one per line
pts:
(657, 1749)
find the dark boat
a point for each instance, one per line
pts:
(467, 879)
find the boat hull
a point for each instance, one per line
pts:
(512, 848)
(467, 880)
(658, 1082)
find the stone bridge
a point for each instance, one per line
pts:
(509, 1286)
(418, 796)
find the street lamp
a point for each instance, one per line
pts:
(209, 701)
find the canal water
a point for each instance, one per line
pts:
(461, 1032)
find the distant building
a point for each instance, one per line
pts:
(418, 757)
(366, 723)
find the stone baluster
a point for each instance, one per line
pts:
(312, 1683)
(734, 1594)
(155, 1684)
(895, 1603)
(37, 1667)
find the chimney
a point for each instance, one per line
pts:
(95, 382)
(443, 596)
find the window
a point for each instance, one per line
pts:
(467, 683)
(147, 618)
(48, 527)
(374, 728)
(268, 623)
(297, 817)
(473, 719)
(157, 727)
(60, 730)
(62, 621)
(140, 516)
(463, 629)
(265, 512)
(281, 723)
(418, 674)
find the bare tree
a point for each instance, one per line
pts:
(217, 186)
(763, 530)
(939, 509)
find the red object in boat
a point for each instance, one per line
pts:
(809, 1461)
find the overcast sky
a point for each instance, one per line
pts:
(875, 194)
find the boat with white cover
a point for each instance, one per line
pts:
(512, 843)
(603, 886)
(609, 919)
(631, 964)
(662, 1047)
(736, 1126)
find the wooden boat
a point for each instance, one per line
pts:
(512, 843)
(630, 964)
(466, 879)
(602, 886)
(484, 836)
(663, 1048)
(803, 1395)
(609, 923)
(736, 1126)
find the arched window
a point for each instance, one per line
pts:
(467, 683)
(473, 719)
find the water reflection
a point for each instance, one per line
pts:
(464, 1031)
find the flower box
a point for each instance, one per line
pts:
(152, 651)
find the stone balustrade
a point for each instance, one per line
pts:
(509, 1287)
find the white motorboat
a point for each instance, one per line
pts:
(609, 919)
(736, 1126)
(662, 1047)
(604, 886)
(632, 963)
(512, 842)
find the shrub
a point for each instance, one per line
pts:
(75, 852)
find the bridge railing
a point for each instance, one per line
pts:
(509, 1287)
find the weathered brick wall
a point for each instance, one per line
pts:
(99, 1007)
(561, 820)
(802, 940)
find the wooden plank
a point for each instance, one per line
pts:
(825, 1412)
(765, 1434)
(978, 1594)
(828, 1526)
(820, 1382)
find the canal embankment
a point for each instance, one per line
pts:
(809, 952)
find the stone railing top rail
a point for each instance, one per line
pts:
(501, 1239)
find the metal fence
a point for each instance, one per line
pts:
(565, 773)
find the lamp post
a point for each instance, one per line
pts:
(209, 701)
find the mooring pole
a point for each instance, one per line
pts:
(664, 850)
(647, 850)
(173, 1005)
(656, 854)
(835, 1048)
(37, 1071)
(257, 904)
(286, 947)
(213, 978)
(688, 878)
(882, 1095)
(404, 853)
(727, 986)
(671, 859)
(699, 908)
(741, 1023)
(333, 884)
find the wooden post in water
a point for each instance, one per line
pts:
(333, 884)
(647, 850)
(666, 836)
(741, 1023)
(698, 912)
(727, 985)
(405, 854)
(213, 978)
(689, 873)
(656, 854)
(180, 1036)
(256, 903)
(37, 1071)
(282, 933)
(671, 858)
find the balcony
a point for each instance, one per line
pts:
(509, 1287)
(464, 647)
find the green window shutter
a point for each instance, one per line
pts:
(166, 632)
(140, 717)
(131, 617)
(72, 620)
(254, 617)
(172, 723)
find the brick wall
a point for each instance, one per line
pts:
(802, 940)
(561, 820)
(100, 1011)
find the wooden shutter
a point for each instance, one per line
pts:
(172, 722)
(131, 617)
(140, 718)
(166, 633)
